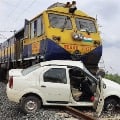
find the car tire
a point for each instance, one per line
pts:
(30, 104)
(110, 104)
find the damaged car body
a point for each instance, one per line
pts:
(57, 82)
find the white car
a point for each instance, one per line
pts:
(111, 94)
(57, 82)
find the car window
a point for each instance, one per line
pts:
(84, 73)
(55, 75)
(30, 69)
(79, 77)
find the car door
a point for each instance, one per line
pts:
(54, 84)
(95, 86)
(99, 99)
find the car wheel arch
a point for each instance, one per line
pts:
(32, 94)
(113, 97)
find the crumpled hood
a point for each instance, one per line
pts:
(111, 84)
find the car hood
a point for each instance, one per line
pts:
(15, 72)
(111, 84)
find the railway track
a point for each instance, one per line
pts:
(78, 114)
(88, 113)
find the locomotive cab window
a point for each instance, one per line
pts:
(84, 24)
(37, 27)
(55, 75)
(60, 21)
(40, 28)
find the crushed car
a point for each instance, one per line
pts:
(56, 82)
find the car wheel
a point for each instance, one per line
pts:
(110, 104)
(30, 104)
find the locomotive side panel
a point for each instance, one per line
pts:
(19, 44)
(31, 45)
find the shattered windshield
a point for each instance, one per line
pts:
(60, 21)
(86, 25)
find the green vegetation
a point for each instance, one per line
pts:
(113, 77)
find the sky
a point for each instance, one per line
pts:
(14, 12)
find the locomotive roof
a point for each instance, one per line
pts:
(59, 7)
(66, 10)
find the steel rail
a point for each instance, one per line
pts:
(78, 114)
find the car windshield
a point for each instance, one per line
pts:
(30, 69)
(86, 25)
(60, 21)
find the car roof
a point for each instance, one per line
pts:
(63, 63)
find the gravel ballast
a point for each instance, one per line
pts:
(11, 111)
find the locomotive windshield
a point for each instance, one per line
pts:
(84, 24)
(60, 21)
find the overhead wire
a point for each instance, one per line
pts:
(24, 10)
(2, 36)
(11, 22)
(7, 3)
(108, 68)
(10, 14)
(17, 5)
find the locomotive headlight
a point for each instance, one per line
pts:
(81, 37)
(75, 36)
(56, 38)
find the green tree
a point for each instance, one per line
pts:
(113, 77)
